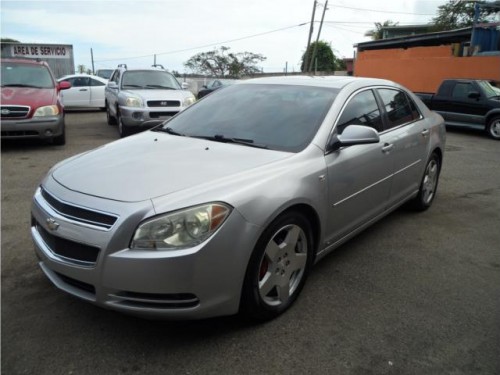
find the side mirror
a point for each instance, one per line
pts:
(112, 85)
(185, 85)
(205, 86)
(354, 135)
(63, 85)
(474, 95)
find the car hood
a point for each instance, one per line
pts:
(153, 164)
(160, 94)
(29, 96)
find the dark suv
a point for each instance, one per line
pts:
(31, 104)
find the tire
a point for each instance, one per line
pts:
(60, 140)
(111, 120)
(277, 270)
(493, 128)
(428, 185)
(123, 130)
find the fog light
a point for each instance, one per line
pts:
(137, 115)
(48, 132)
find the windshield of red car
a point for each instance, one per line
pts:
(24, 75)
(278, 117)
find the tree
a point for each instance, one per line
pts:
(81, 68)
(9, 40)
(377, 33)
(458, 14)
(326, 61)
(220, 63)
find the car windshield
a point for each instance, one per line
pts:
(149, 79)
(279, 117)
(24, 75)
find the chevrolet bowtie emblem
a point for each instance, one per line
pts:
(52, 224)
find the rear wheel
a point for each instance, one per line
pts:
(428, 186)
(278, 267)
(493, 128)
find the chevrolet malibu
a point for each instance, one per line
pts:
(226, 207)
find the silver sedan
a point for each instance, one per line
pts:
(226, 207)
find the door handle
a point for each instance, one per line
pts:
(425, 133)
(387, 148)
(82, 90)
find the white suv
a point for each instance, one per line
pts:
(138, 99)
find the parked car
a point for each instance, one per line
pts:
(138, 99)
(214, 85)
(86, 91)
(226, 206)
(467, 103)
(104, 73)
(31, 105)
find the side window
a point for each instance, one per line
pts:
(396, 106)
(95, 82)
(413, 107)
(362, 109)
(461, 90)
(115, 77)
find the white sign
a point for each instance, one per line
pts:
(41, 51)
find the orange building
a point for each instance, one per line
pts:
(422, 62)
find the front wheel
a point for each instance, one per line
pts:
(110, 119)
(122, 129)
(493, 128)
(278, 267)
(428, 185)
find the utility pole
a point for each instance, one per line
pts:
(306, 59)
(317, 38)
(92, 59)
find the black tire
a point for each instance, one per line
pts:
(493, 128)
(110, 119)
(428, 185)
(123, 130)
(60, 140)
(276, 274)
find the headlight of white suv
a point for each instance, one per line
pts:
(181, 229)
(49, 110)
(188, 101)
(133, 101)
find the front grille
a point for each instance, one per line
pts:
(19, 133)
(156, 300)
(69, 250)
(164, 103)
(79, 214)
(76, 283)
(161, 114)
(14, 111)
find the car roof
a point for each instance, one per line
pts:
(320, 81)
(104, 80)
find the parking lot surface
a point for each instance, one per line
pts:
(413, 294)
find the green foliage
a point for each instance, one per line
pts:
(377, 33)
(326, 61)
(458, 14)
(222, 63)
(9, 40)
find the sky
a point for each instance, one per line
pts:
(132, 32)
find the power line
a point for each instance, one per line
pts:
(206, 45)
(382, 11)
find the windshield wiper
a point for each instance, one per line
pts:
(239, 141)
(168, 130)
(161, 87)
(135, 86)
(22, 85)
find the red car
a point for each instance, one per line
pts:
(31, 105)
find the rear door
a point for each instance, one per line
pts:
(409, 136)
(97, 93)
(79, 93)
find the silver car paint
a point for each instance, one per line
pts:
(258, 184)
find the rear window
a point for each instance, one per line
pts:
(24, 75)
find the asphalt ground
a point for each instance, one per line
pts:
(417, 293)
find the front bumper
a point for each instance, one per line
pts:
(145, 117)
(199, 282)
(41, 127)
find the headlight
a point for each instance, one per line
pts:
(188, 101)
(49, 110)
(181, 229)
(133, 101)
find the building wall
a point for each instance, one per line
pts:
(423, 68)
